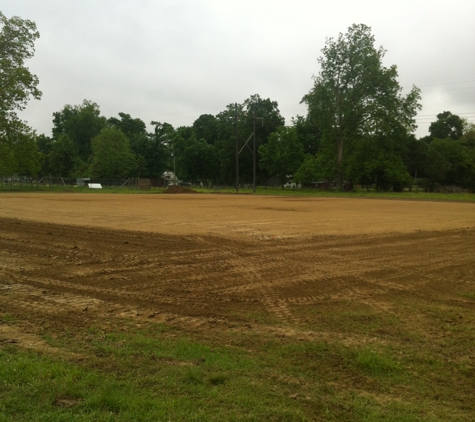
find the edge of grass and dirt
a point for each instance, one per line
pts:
(262, 191)
(152, 371)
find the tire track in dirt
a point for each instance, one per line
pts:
(192, 279)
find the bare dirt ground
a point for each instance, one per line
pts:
(201, 261)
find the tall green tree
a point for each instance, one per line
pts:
(308, 133)
(28, 159)
(112, 157)
(18, 151)
(81, 123)
(63, 157)
(283, 154)
(269, 119)
(377, 162)
(416, 157)
(198, 161)
(161, 148)
(141, 142)
(226, 142)
(468, 138)
(206, 127)
(308, 170)
(17, 83)
(355, 97)
(447, 125)
(456, 164)
(128, 125)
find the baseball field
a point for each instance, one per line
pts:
(235, 307)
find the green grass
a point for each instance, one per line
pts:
(158, 373)
(361, 193)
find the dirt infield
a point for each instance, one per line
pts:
(239, 216)
(188, 259)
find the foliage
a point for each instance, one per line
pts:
(141, 143)
(283, 153)
(206, 127)
(130, 127)
(157, 149)
(17, 83)
(7, 158)
(468, 138)
(308, 133)
(447, 125)
(355, 97)
(18, 150)
(199, 161)
(451, 163)
(376, 161)
(308, 170)
(268, 119)
(416, 156)
(28, 159)
(63, 157)
(81, 123)
(112, 157)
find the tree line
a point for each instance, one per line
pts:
(359, 130)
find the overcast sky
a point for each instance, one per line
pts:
(173, 60)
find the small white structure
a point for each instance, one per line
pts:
(94, 185)
(292, 185)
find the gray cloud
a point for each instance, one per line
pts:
(174, 60)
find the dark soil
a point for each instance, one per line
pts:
(179, 189)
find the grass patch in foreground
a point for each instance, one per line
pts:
(154, 373)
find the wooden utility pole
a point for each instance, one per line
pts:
(254, 150)
(237, 145)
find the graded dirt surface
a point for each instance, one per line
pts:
(189, 259)
(238, 216)
(241, 272)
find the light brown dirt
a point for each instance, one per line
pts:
(241, 216)
(200, 261)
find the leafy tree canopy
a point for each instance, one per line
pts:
(308, 134)
(283, 154)
(308, 171)
(112, 157)
(354, 96)
(451, 163)
(206, 127)
(447, 125)
(18, 150)
(63, 157)
(198, 161)
(17, 83)
(81, 123)
(129, 126)
(468, 138)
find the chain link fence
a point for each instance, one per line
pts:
(15, 183)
